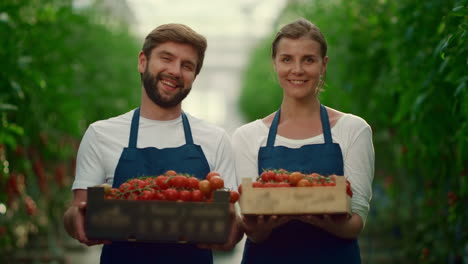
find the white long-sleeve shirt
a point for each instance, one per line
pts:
(351, 132)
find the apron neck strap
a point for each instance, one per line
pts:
(273, 129)
(136, 121)
(187, 129)
(134, 128)
(325, 127)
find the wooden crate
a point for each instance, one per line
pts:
(295, 200)
(157, 221)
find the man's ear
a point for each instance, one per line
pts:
(142, 62)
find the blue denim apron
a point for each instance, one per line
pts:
(135, 162)
(298, 242)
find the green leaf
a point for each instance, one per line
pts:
(460, 87)
(8, 107)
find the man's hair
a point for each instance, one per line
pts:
(176, 33)
(297, 29)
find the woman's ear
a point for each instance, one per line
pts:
(324, 65)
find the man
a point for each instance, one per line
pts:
(156, 137)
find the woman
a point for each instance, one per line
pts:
(305, 136)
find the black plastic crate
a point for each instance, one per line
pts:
(157, 221)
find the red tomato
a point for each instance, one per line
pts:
(205, 187)
(196, 196)
(211, 174)
(283, 184)
(147, 195)
(268, 175)
(139, 183)
(348, 189)
(314, 181)
(216, 183)
(132, 196)
(270, 184)
(263, 176)
(295, 177)
(278, 177)
(161, 181)
(178, 181)
(315, 175)
(329, 183)
(282, 170)
(240, 188)
(285, 177)
(112, 194)
(185, 195)
(171, 194)
(234, 196)
(159, 195)
(257, 184)
(170, 173)
(125, 187)
(192, 183)
(303, 183)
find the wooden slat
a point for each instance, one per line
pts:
(295, 200)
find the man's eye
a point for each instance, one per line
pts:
(188, 67)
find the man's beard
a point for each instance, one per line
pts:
(150, 82)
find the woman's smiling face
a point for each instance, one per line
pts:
(299, 64)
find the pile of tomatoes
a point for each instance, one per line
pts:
(170, 186)
(284, 178)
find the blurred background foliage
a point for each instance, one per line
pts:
(402, 66)
(61, 69)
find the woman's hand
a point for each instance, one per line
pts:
(342, 225)
(259, 227)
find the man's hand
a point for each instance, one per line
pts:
(235, 235)
(74, 220)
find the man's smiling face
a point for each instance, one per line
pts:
(169, 73)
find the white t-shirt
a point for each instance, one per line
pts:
(104, 141)
(351, 132)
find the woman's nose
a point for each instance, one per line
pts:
(297, 68)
